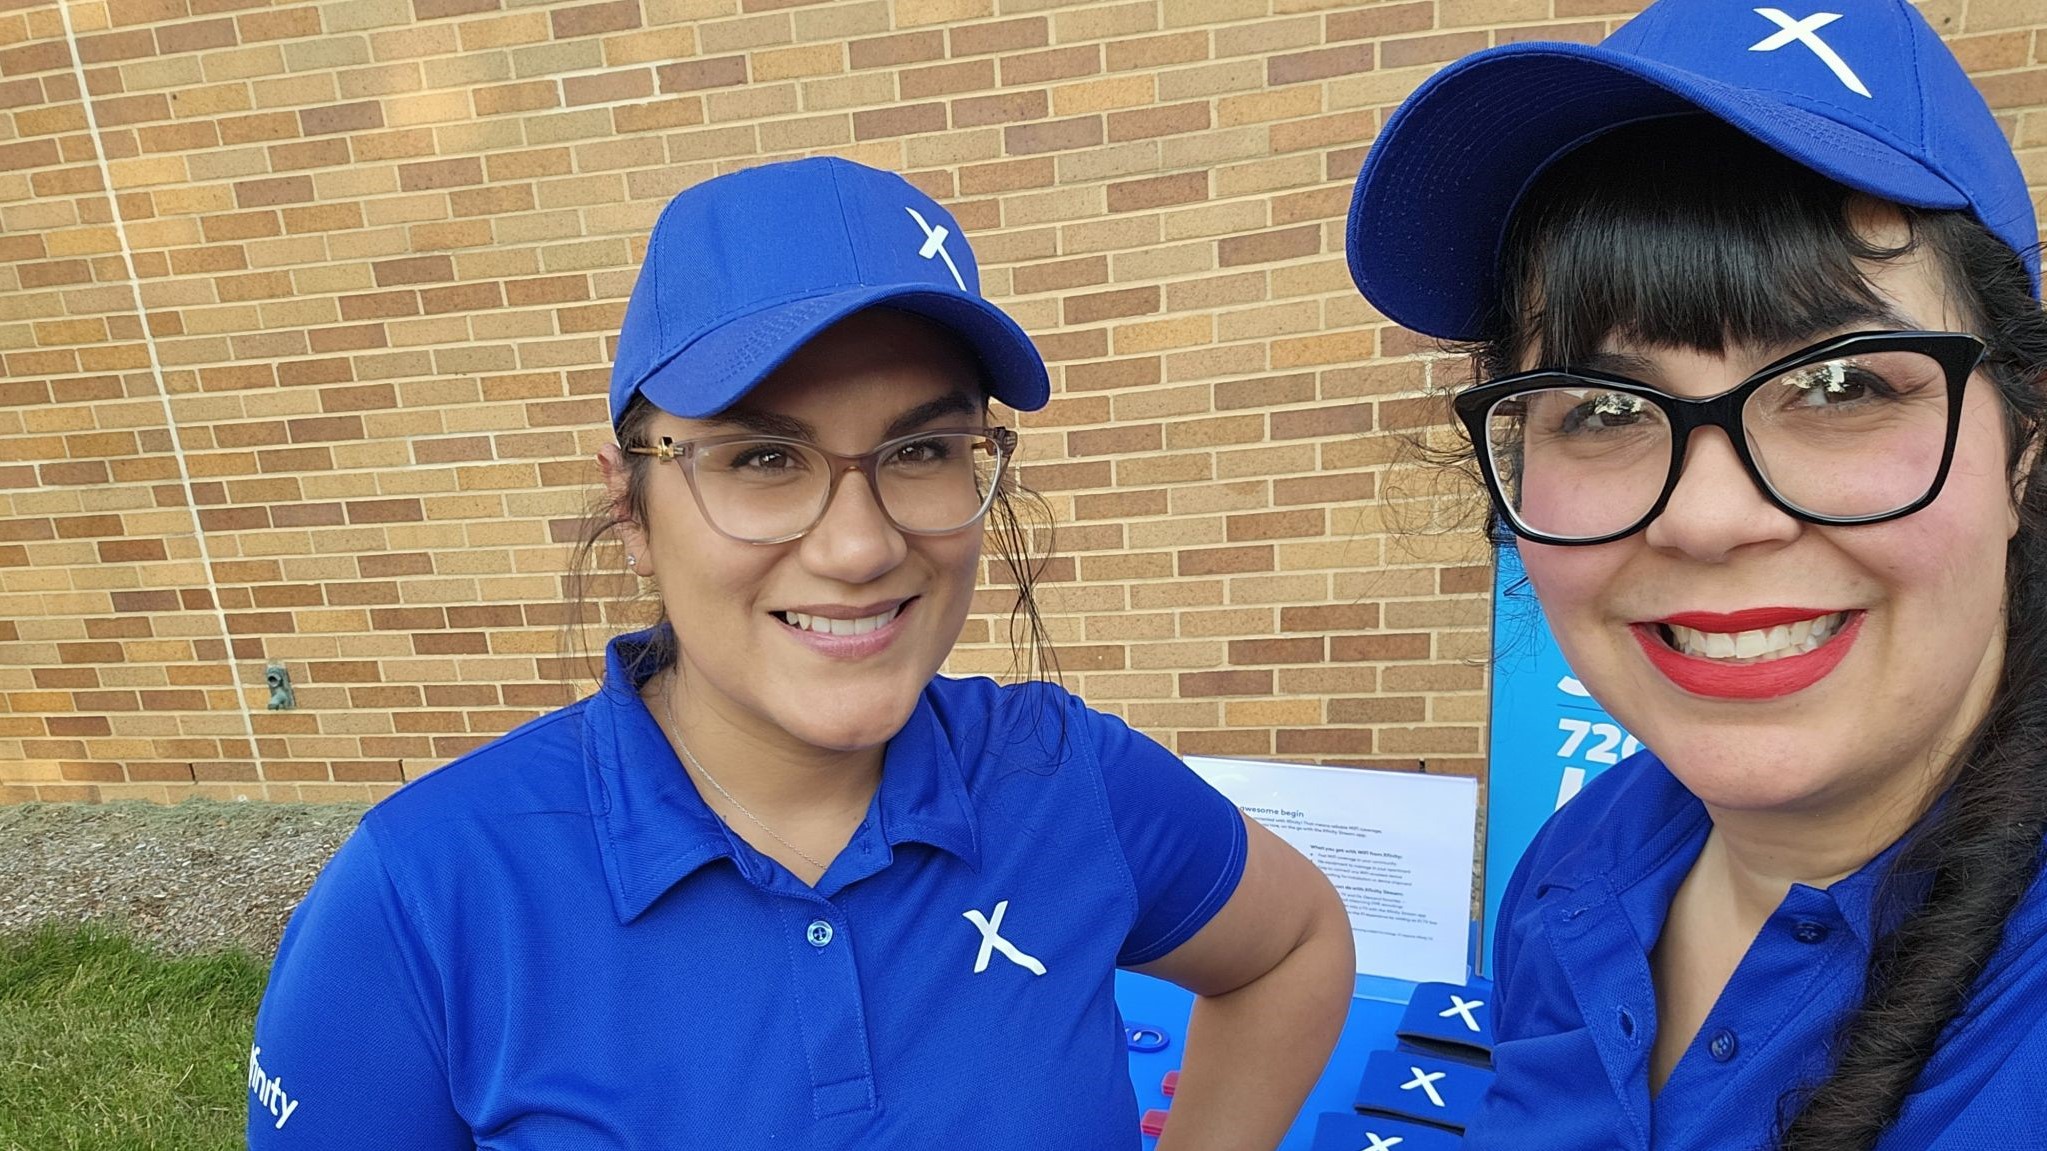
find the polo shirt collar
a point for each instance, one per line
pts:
(1646, 855)
(923, 796)
(654, 829)
(1652, 823)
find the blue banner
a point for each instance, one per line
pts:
(1548, 736)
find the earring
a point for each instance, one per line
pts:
(632, 563)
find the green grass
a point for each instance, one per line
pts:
(107, 1046)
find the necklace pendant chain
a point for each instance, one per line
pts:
(675, 733)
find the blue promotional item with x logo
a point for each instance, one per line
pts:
(1451, 1020)
(1440, 1091)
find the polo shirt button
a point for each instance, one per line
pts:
(1723, 1046)
(819, 933)
(1809, 932)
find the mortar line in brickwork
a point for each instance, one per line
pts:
(163, 392)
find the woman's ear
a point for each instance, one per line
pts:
(617, 473)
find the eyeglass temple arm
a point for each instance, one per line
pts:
(665, 450)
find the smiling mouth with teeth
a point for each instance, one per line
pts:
(824, 625)
(1759, 646)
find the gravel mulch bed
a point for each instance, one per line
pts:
(199, 876)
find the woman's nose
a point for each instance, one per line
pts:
(854, 542)
(1717, 507)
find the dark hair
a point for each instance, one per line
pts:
(597, 597)
(1685, 233)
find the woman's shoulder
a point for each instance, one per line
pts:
(969, 702)
(969, 694)
(1034, 723)
(495, 824)
(535, 767)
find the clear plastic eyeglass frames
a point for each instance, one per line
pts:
(771, 489)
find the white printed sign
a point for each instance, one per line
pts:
(1397, 845)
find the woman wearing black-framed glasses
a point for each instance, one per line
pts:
(1753, 302)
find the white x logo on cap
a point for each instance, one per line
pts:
(991, 939)
(1426, 1080)
(1461, 1007)
(1379, 1144)
(934, 245)
(1806, 32)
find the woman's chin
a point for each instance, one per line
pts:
(1749, 795)
(1760, 783)
(849, 724)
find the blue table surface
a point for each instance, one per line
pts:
(1375, 1009)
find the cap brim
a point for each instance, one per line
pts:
(715, 370)
(1440, 182)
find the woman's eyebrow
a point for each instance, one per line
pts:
(790, 427)
(765, 423)
(1616, 363)
(950, 404)
(1641, 367)
(1893, 319)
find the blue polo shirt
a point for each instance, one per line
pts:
(1575, 1011)
(552, 943)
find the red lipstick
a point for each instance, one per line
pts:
(1770, 679)
(1748, 619)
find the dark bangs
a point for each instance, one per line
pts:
(1679, 232)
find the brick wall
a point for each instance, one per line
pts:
(319, 381)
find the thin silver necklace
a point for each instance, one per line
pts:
(675, 733)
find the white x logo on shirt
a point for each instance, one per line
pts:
(1461, 1007)
(991, 939)
(1379, 1144)
(1806, 32)
(1426, 1080)
(934, 245)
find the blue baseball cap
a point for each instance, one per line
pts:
(743, 269)
(1868, 96)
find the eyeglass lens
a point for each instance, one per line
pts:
(1862, 435)
(773, 489)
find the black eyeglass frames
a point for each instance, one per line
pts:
(1857, 429)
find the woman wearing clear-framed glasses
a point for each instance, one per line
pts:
(779, 883)
(1753, 300)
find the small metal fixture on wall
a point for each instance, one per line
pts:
(281, 697)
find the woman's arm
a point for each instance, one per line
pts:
(347, 1051)
(1273, 971)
